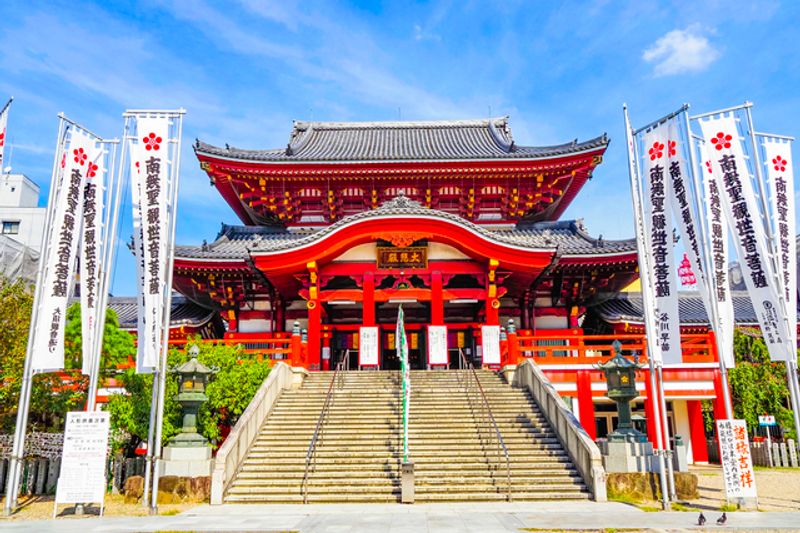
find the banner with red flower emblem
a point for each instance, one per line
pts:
(144, 351)
(727, 157)
(150, 156)
(91, 253)
(780, 182)
(61, 246)
(3, 135)
(658, 149)
(717, 276)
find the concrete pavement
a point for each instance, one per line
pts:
(396, 518)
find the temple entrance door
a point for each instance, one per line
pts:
(344, 342)
(417, 352)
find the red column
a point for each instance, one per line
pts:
(697, 431)
(649, 412)
(585, 402)
(326, 348)
(437, 302)
(314, 333)
(719, 399)
(368, 299)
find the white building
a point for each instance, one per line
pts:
(21, 226)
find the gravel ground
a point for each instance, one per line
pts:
(41, 508)
(778, 488)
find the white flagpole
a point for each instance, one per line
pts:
(162, 375)
(107, 265)
(705, 260)
(15, 461)
(791, 359)
(644, 277)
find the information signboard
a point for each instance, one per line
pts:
(82, 478)
(437, 345)
(368, 346)
(737, 463)
(490, 341)
(767, 420)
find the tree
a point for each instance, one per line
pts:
(758, 386)
(238, 378)
(16, 302)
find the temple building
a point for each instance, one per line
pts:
(455, 221)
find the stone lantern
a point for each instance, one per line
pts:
(621, 382)
(193, 377)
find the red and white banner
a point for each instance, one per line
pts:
(658, 150)
(718, 262)
(737, 462)
(744, 220)
(780, 180)
(61, 246)
(91, 254)
(150, 175)
(145, 351)
(3, 135)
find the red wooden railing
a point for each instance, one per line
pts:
(592, 349)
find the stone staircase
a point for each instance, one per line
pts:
(359, 456)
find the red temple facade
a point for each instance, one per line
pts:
(454, 221)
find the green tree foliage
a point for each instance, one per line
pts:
(758, 386)
(229, 393)
(52, 394)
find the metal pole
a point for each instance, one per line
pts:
(662, 474)
(644, 276)
(667, 442)
(172, 209)
(12, 481)
(107, 263)
(791, 356)
(710, 277)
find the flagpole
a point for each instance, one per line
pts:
(791, 357)
(167, 304)
(107, 262)
(8, 104)
(644, 277)
(707, 254)
(12, 481)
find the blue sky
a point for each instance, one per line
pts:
(244, 70)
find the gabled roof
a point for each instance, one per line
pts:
(569, 237)
(628, 307)
(401, 141)
(184, 312)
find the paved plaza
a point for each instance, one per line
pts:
(396, 518)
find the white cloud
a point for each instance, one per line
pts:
(681, 51)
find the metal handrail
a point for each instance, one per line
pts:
(311, 453)
(469, 380)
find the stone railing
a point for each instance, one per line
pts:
(233, 451)
(581, 448)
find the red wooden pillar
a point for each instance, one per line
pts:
(697, 431)
(297, 347)
(719, 399)
(368, 299)
(649, 412)
(585, 402)
(314, 318)
(437, 301)
(492, 305)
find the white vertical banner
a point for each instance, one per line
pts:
(437, 346)
(62, 245)
(737, 462)
(3, 134)
(717, 277)
(780, 183)
(92, 240)
(658, 224)
(490, 342)
(727, 158)
(146, 351)
(149, 154)
(368, 346)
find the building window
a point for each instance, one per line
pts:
(10, 228)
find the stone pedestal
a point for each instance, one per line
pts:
(407, 483)
(186, 461)
(626, 457)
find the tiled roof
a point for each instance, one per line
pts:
(570, 237)
(401, 141)
(628, 307)
(184, 312)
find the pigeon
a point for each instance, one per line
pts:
(701, 520)
(722, 519)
